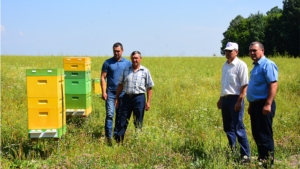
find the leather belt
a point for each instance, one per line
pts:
(259, 101)
(230, 95)
(134, 95)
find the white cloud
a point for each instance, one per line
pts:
(2, 28)
(21, 33)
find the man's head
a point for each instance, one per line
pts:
(118, 50)
(231, 51)
(256, 51)
(136, 58)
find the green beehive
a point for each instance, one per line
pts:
(78, 101)
(78, 86)
(78, 75)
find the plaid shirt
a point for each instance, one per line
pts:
(136, 82)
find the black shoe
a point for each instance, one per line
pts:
(109, 142)
(119, 139)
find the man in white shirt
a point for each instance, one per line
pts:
(234, 85)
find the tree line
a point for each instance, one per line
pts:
(278, 30)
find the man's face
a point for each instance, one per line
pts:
(136, 60)
(231, 54)
(255, 52)
(118, 51)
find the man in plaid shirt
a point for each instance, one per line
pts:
(135, 81)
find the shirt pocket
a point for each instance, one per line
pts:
(231, 77)
(141, 81)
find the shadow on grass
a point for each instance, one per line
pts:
(77, 121)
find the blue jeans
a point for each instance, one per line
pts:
(110, 109)
(233, 124)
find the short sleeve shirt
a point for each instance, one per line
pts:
(263, 73)
(234, 76)
(114, 68)
(136, 82)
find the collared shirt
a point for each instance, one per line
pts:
(234, 76)
(263, 73)
(136, 82)
(114, 68)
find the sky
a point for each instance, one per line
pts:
(90, 28)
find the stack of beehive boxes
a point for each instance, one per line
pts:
(78, 85)
(46, 105)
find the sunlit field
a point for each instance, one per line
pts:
(183, 128)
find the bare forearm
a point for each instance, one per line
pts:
(103, 85)
(119, 90)
(272, 93)
(149, 94)
(242, 92)
(103, 81)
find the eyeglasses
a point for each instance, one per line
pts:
(228, 51)
(252, 50)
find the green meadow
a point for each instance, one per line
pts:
(183, 128)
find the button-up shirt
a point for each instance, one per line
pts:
(263, 73)
(234, 76)
(136, 82)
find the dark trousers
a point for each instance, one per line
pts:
(262, 129)
(233, 124)
(131, 104)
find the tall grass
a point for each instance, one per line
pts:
(183, 128)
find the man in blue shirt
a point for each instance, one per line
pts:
(260, 94)
(111, 71)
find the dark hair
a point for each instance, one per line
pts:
(136, 52)
(260, 45)
(117, 45)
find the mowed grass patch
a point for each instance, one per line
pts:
(183, 128)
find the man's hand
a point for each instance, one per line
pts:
(237, 106)
(266, 109)
(116, 103)
(147, 106)
(104, 96)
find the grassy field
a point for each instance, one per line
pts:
(183, 129)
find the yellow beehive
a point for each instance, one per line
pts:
(45, 102)
(45, 118)
(77, 63)
(96, 86)
(88, 111)
(45, 86)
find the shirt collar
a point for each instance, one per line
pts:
(234, 62)
(141, 67)
(260, 60)
(122, 59)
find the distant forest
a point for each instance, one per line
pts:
(278, 30)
